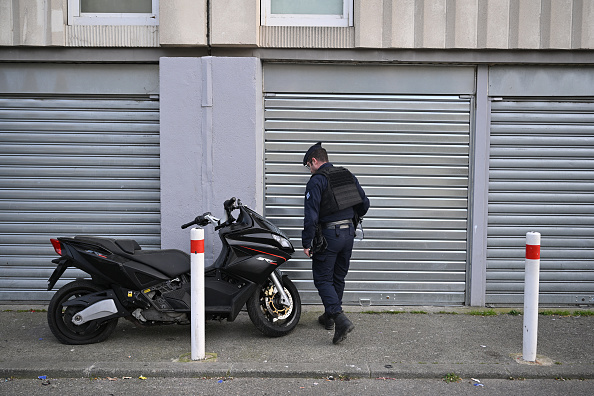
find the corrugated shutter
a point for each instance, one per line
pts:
(541, 178)
(410, 153)
(73, 165)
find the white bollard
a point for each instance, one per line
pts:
(531, 279)
(197, 274)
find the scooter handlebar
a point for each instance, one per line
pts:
(202, 220)
(191, 223)
(207, 218)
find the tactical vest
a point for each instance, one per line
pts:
(342, 191)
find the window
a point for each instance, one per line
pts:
(307, 12)
(113, 12)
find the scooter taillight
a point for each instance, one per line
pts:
(57, 246)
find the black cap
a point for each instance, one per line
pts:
(310, 152)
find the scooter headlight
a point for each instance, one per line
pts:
(284, 242)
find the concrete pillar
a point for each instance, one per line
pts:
(465, 23)
(182, 22)
(403, 24)
(496, 24)
(238, 132)
(529, 18)
(211, 142)
(560, 24)
(434, 24)
(480, 192)
(181, 148)
(235, 22)
(369, 21)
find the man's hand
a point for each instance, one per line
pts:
(306, 251)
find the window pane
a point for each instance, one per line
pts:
(321, 7)
(116, 6)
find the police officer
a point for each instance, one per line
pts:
(333, 197)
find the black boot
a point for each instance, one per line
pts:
(342, 326)
(326, 321)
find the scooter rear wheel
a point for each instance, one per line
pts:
(267, 313)
(59, 318)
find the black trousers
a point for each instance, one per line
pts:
(331, 267)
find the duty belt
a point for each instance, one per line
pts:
(340, 224)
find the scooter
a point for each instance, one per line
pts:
(151, 287)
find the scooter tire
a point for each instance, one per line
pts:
(269, 322)
(59, 318)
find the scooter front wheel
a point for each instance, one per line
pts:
(59, 318)
(267, 313)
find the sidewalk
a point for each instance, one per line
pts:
(405, 345)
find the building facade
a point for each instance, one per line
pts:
(468, 123)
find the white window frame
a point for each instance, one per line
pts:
(344, 20)
(75, 17)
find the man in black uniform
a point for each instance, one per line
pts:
(333, 198)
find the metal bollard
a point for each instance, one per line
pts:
(531, 279)
(197, 289)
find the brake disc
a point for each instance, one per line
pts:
(273, 305)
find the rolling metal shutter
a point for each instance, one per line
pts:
(410, 154)
(541, 178)
(73, 165)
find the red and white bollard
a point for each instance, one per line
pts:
(531, 279)
(197, 289)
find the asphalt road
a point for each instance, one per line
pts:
(291, 386)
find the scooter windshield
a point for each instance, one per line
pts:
(265, 222)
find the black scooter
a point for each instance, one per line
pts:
(153, 287)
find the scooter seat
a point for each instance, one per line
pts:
(128, 245)
(117, 246)
(171, 262)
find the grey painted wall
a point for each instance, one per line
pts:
(181, 147)
(541, 81)
(211, 142)
(53, 79)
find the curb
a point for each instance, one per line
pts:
(289, 370)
